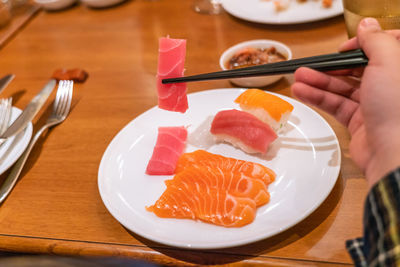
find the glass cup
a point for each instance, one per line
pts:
(212, 7)
(16, 4)
(387, 12)
(5, 14)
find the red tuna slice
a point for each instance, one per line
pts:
(171, 60)
(243, 130)
(170, 144)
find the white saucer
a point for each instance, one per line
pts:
(54, 5)
(101, 3)
(12, 149)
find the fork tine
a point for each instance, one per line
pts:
(58, 97)
(69, 97)
(63, 91)
(63, 99)
(58, 102)
(8, 114)
(6, 106)
(3, 109)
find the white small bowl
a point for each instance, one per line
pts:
(258, 81)
(54, 5)
(101, 3)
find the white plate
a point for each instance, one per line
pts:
(15, 145)
(262, 11)
(306, 159)
(54, 5)
(101, 3)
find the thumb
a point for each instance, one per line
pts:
(378, 45)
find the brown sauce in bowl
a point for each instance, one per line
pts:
(251, 56)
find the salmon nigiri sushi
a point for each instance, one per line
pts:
(269, 108)
(242, 130)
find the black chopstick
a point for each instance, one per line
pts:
(334, 61)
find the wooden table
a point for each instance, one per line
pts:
(56, 207)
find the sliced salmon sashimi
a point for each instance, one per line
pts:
(207, 159)
(214, 189)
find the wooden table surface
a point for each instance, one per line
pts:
(56, 207)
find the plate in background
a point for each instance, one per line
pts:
(101, 3)
(12, 149)
(263, 11)
(54, 5)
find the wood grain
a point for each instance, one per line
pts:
(56, 207)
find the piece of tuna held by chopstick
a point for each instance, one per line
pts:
(171, 142)
(171, 60)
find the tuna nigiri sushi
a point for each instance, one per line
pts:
(269, 108)
(171, 60)
(169, 146)
(243, 130)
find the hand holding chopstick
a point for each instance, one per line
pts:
(335, 61)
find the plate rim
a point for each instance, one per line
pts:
(24, 142)
(277, 22)
(246, 241)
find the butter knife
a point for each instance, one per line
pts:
(29, 112)
(5, 81)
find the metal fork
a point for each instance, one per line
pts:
(5, 113)
(61, 108)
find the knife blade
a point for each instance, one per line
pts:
(5, 81)
(29, 112)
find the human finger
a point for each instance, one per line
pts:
(353, 42)
(342, 108)
(379, 46)
(395, 33)
(356, 72)
(336, 84)
(349, 45)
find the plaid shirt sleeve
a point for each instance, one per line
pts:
(380, 245)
